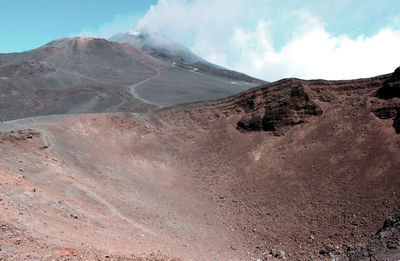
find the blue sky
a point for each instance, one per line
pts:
(28, 24)
(269, 39)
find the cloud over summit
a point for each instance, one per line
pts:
(274, 39)
(242, 35)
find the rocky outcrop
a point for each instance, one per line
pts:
(383, 245)
(396, 122)
(389, 103)
(16, 136)
(286, 108)
(385, 113)
(391, 87)
(390, 112)
(252, 122)
(25, 69)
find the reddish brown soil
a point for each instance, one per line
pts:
(304, 167)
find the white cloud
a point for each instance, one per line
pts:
(106, 30)
(202, 25)
(238, 35)
(312, 52)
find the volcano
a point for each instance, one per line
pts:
(88, 75)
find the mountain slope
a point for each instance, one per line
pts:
(162, 47)
(84, 75)
(70, 76)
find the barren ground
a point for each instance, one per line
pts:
(294, 166)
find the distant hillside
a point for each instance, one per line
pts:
(86, 75)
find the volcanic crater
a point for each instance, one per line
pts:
(294, 169)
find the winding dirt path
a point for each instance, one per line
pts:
(132, 89)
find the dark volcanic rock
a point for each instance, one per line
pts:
(386, 112)
(396, 122)
(277, 110)
(383, 245)
(26, 68)
(391, 109)
(327, 251)
(396, 75)
(391, 87)
(251, 123)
